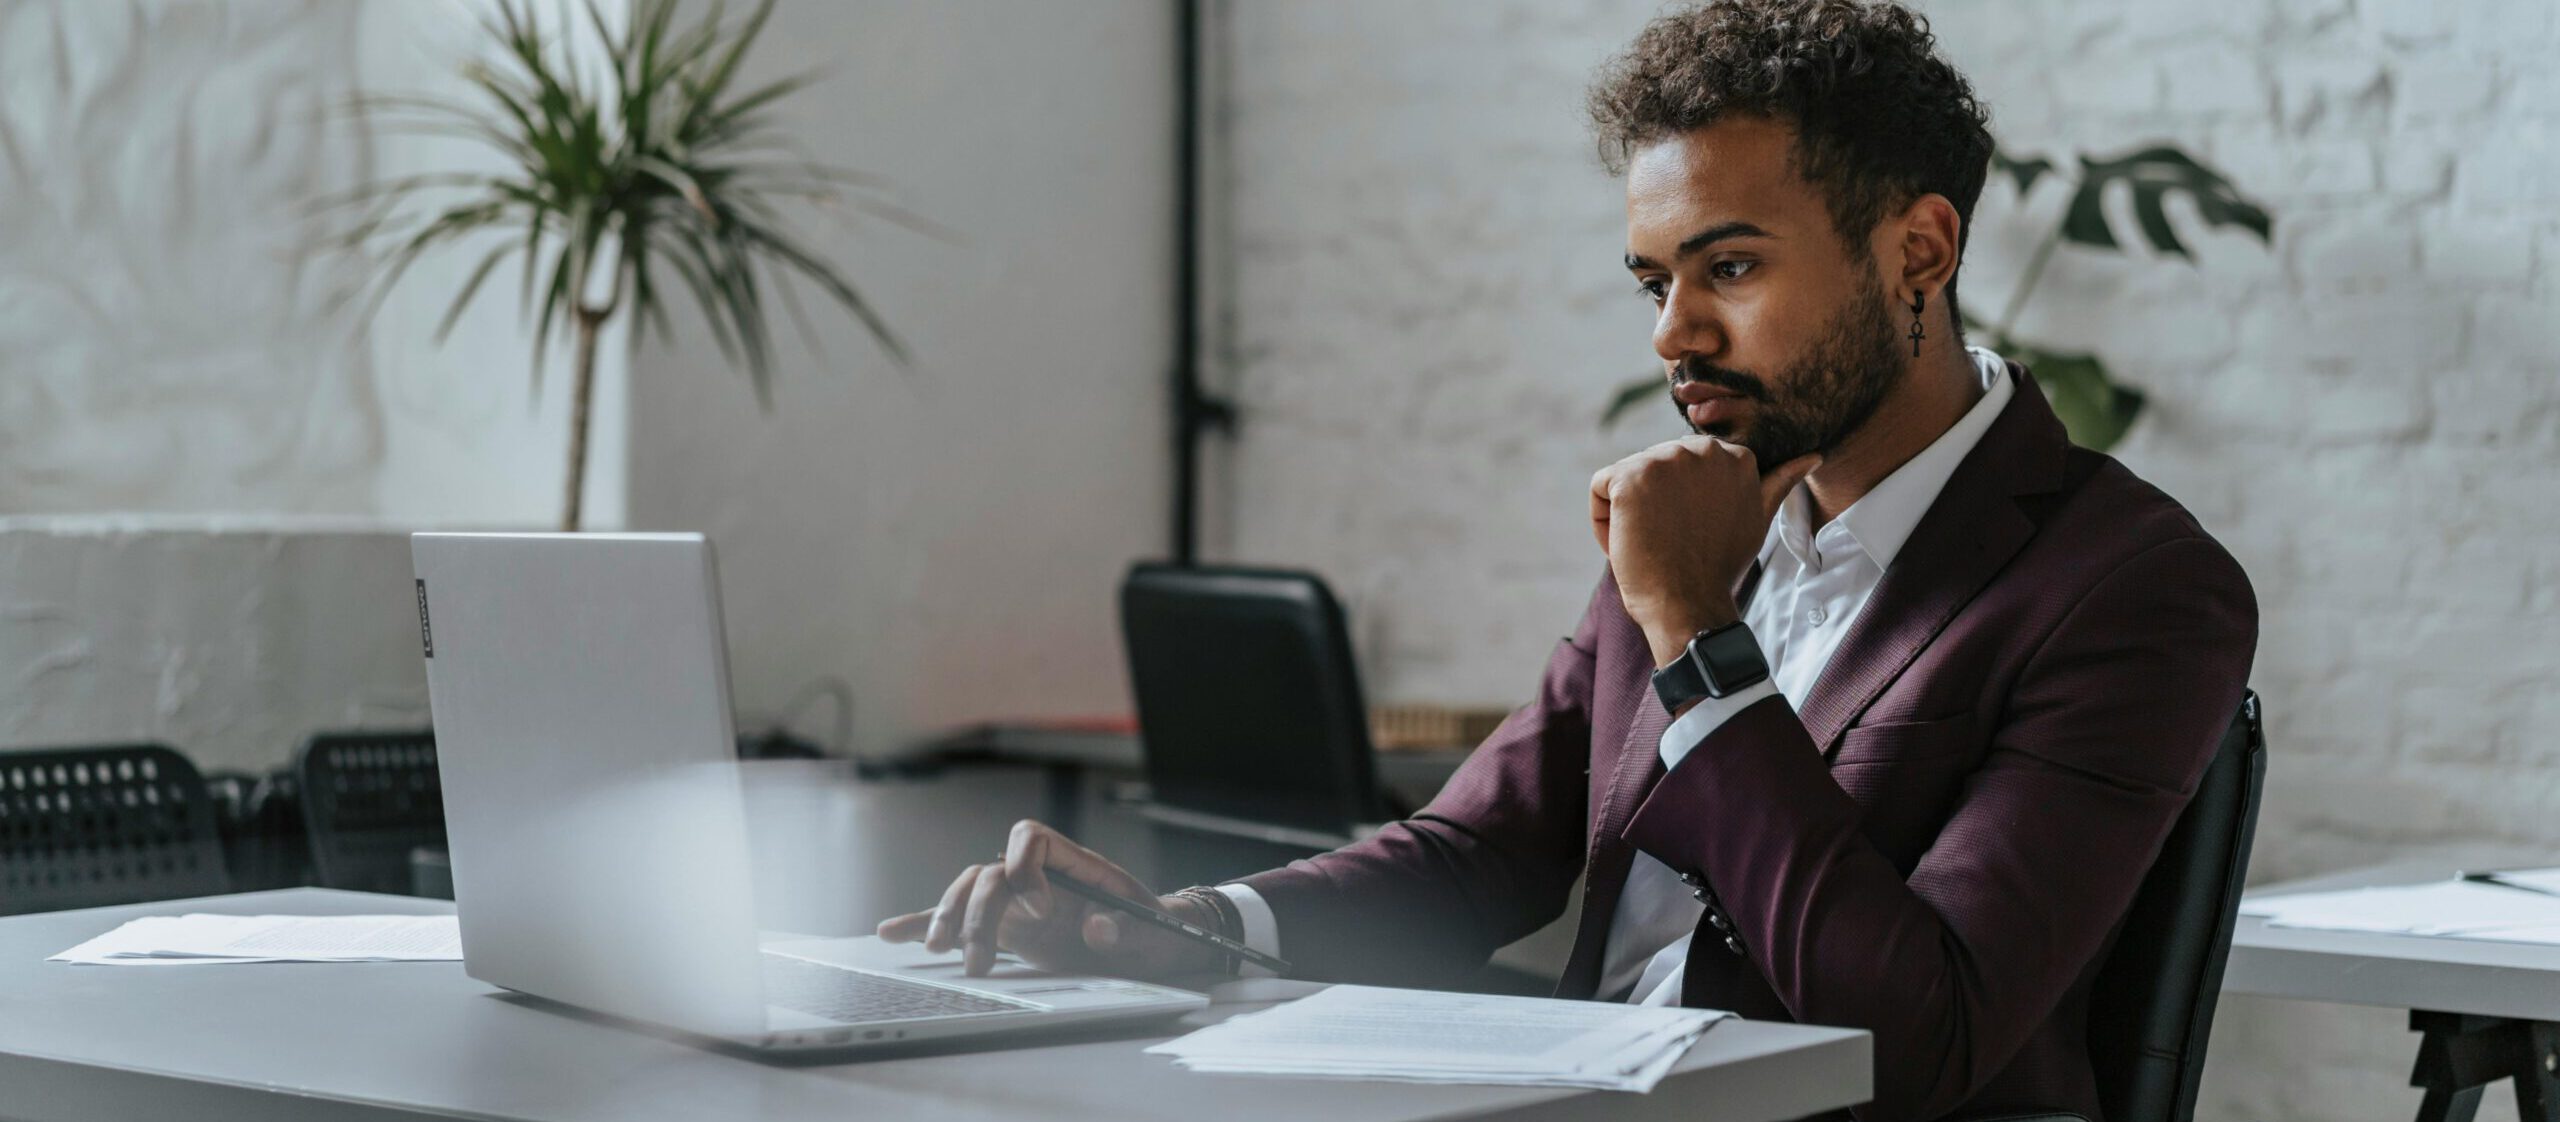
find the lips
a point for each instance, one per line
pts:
(1704, 410)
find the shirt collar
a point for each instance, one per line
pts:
(1882, 519)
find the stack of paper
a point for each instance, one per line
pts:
(1419, 1036)
(2521, 906)
(200, 938)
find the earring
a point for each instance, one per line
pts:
(1919, 300)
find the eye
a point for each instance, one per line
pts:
(1651, 288)
(1731, 269)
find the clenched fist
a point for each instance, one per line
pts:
(1681, 522)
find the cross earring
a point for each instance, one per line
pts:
(1919, 301)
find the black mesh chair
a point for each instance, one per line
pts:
(112, 824)
(369, 798)
(2152, 1006)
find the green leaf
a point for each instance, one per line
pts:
(2095, 409)
(1649, 388)
(662, 152)
(2153, 174)
(479, 273)
(2026, 172)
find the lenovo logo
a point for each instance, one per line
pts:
(426, 634)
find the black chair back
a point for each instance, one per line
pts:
(2153, 1004)
(368, 798)
(1249, 703)
(112, 824)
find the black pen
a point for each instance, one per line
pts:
(1169, 923)
(2498, 877)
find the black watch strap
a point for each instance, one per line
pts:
(1717, 663)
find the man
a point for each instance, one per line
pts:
(1996, 664)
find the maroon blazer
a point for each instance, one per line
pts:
(1939, 848)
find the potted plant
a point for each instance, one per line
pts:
(659, 166)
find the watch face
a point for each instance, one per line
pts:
(1730, 659)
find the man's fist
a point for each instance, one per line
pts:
(1681, 522)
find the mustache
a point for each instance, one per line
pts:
(1729, 380)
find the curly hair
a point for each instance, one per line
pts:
(1880, 119)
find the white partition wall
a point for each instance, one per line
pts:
(947, 538)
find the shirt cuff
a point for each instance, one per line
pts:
(1705, 717)
(1260, 931)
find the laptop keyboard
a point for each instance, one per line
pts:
(840, 994)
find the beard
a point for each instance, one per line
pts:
(1822, 397)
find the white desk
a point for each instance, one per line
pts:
(2488, 1010)
(375, 1041)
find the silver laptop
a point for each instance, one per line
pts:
(598, 825)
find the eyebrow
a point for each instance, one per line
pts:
(1702, 239)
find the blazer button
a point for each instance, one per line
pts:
(1733, 943)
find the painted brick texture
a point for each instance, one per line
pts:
(1424, 313)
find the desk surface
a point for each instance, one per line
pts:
(406, 1040)
(2395, 971)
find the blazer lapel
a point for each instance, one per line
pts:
(1968, 535)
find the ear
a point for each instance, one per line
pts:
(1926, 235)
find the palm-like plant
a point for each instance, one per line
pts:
(661, 162)
(2095, 408)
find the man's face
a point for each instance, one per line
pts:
(1773, 333)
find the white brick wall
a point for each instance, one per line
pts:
(1426, 312)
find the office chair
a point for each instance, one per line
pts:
(110, 824)
(1249, 704)
(2152, 1005)
(368, 798)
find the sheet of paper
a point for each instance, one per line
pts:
(201, 938)
(1366, 1032)
(2545, 936)
(2447, 907)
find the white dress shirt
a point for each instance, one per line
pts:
(1813, 584)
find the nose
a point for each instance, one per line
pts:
(1687, 326)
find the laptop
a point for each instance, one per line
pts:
(597, 819)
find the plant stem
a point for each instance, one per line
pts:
(590, 321)
(2027, 285)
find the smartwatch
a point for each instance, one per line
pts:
(1718, 663)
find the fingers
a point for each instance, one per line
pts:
(1026, 866)
(1035, 849)
(1783, 479)
(944, 932)
(906, 928)
(982, 918)
(1011, 904)
(1601, 481)
(1101, 932)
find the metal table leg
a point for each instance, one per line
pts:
(2460, 1054)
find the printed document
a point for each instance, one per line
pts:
(1423, 1036)
(201, 938)
(2519, 907)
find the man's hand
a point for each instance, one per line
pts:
(1681, 522)
(1008, 905)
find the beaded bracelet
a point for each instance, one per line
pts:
(1223, 916)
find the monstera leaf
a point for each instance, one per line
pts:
(1649, 387)
(2096, 409)
(2026, 172)
(2154, 174)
